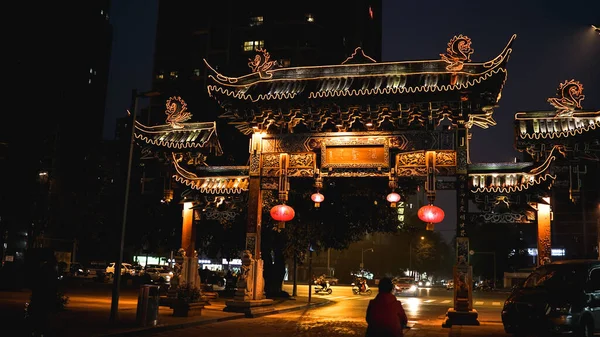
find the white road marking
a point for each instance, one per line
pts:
(496, 303)
(446, 301)
(478, 303)
(429, 301)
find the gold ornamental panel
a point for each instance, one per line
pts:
(355, 153)
(301, 164)
(415, 163)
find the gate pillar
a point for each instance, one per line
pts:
(462, 313)
(249, 297)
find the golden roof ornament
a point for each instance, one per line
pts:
(262, 63)
(458, 52)
(177, 112)
(570, 94)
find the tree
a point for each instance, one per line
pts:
(352, 207)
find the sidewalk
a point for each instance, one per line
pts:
(73, 322)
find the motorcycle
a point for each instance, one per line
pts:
(319, 288)
(357, 291)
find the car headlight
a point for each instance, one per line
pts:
(420, 283)
(428, 284)
(413, 288)
(168, 278)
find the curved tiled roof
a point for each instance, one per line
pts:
(407, 77)
(510, 177)
(185, 136)
(211, 184)
(546, 125)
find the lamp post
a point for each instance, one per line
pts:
(362, 257)
(114, 306)
(410, 254)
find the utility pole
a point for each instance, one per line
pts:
(114, 305)
(328, 261)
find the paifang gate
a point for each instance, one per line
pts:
(360, 118)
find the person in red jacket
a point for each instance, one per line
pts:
(385, 314)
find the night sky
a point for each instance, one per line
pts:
(554, 43)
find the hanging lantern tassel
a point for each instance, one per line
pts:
(317, 198)
(393, 198)
(431, 215)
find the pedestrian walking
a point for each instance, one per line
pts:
(385, 314)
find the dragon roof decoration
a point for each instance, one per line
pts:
(179, 135)
(453, 72)
(570, 94)
(504, 179)
(568, 120)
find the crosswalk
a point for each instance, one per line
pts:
(404, 299)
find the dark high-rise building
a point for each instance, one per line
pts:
(61, 54)
(227, 33)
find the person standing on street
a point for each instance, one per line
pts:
(385, 314)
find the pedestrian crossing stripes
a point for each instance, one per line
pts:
(428, 301)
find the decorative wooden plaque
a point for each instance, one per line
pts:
(355, 156)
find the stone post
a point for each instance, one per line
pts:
(249, 298)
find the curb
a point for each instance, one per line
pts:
(167, 327)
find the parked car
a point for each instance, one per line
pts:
(332, 280)
(405, 286)
(78, 270)
(126, 268)
(562, 297)
(213, 279)
(159, 275)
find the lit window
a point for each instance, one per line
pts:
(174, 74)
(310, 18)
(256, 21)
(253, 45)
(196, 72)
(160, 76)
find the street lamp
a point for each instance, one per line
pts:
(114, 305)
(410, 254)
(362, 257)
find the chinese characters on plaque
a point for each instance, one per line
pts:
(356, 155)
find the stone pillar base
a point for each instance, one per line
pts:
(251, 308)
(454, 317)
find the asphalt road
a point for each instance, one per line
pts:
(346, 317)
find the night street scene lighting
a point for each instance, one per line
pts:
(596, 28)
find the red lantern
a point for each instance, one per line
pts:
(393, 198)
(317, 198)
(431, 215)
(282, 213)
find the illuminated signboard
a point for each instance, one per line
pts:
(355, 155)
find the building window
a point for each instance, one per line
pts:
(310, 18)
(196, 72)
(160, 76)
(253, 45)
(174, 74)
(256, 21)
